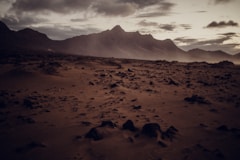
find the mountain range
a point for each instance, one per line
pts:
(110, 43)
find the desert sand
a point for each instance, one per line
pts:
(75, 107)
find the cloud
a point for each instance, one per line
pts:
(222, 1)
(220, 43)
(59, 6)
(142, 3)
(167, 27)
(229, 34)
(111, 8)
(222, 24)
(144, 23)
(185, 40)
(78, 20)
(18, 22)
(186, 26)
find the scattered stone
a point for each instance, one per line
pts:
(162, 144)
(197, 99)
(94, 134)
(129, 70)
(223, 128)
(130, 139)
(137, 107)
(169, 133)
(172, 82)
(128, 125)
(2, 104)
(108, 124)
(151, 129)
(28, 103)
(114, 85)
(30, 146)
(86, 123)
(26, 119)
(91, 83)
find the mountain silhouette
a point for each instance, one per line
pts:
(110, 43)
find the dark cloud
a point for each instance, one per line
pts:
(222, 1)
(186, 26)
(231, 34)
(111, 8)
(211, 44)
(201, 11)
(144, 23)
(167, 27)
(222, 24)
(185, 40)
(106, 7)
(60, 6)
(163, 9)
(143, 3)
(78, 20)
(17, 22)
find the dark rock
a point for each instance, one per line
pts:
(114, 85)
(94, 134)
(130, 139)
(86, 123)
(129, 70)
(28, 103)
(169, 133)
(128, 125)
(162, 144)
(108, 124)
(223, 128)
(91, 83)
(197, 99)
(172, 82)
(137, 107)
(30, 146)
(151, 129)
(2, 104)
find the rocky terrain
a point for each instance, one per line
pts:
(55, 106)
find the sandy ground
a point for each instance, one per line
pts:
(67, 107)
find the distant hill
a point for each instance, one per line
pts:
(110, 43)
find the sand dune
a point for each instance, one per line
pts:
(69, 107)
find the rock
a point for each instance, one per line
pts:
(197, 99)
(30, 146)
(169, 133)
(28, 103)
(162, 144)
(222, 128)
(108, 124)
(151, 129)
(137, 107)
(128, 125)
(2, 104)
(86, 123)
(114, 85)
(172, 82)
(94, 134)
(91, 83)
(129, 70)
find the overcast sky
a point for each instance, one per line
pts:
(205, 24)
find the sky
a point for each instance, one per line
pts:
(205, 24)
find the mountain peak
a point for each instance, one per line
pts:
(3, 27)
(117, 29)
